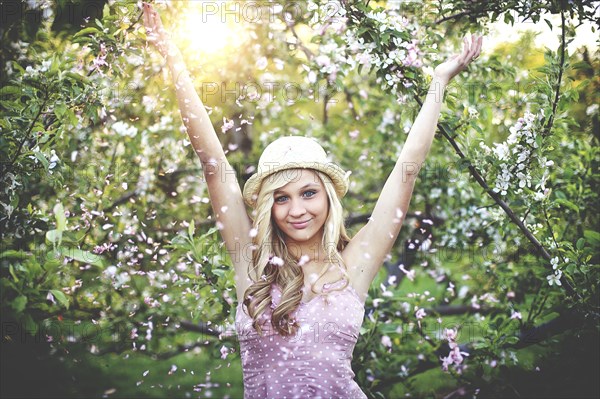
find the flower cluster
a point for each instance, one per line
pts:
(455, 357)
(33, 71)
(515, 156)
(393, 51)
(554, 278)
(50, 159)
(124, 129)
(329, 61)
(401, 52)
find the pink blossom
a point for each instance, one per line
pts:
(516, 315)
(386, 341)
(303, 260)
(276, 261)
(420, 314)
(103, 248)
(227, 125)
(454, 357)
(446, 361)
(410, 274)
(450, 334)
(224, 352)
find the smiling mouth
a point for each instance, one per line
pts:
(300, 225)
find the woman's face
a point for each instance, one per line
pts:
(300, 207)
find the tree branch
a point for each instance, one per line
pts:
(453, 16)
(500, 202)
(550, 123)
(39, 113)
(527, 338)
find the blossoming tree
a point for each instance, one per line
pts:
(108, 245)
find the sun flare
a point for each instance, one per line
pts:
(206, 29)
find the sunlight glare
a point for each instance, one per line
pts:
(207, 33)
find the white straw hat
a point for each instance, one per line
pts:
(294, 152)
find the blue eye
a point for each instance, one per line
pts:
(309, 193)
(281, 199)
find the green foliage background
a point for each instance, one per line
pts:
(113, 278)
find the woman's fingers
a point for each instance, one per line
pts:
(479, 45)
(152, 23)
(474, 47)
(145, 16)
(149, 22)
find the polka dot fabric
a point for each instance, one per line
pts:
(315, 363)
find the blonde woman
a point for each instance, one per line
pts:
(302, 290)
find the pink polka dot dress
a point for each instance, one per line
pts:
(315, 363)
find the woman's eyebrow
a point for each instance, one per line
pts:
(308, 185)
(311, 184)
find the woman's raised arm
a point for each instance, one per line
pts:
(367, 250)
(224, 190)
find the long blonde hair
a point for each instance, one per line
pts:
(269, 241)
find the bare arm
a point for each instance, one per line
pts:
(367, 250)
(224, 190)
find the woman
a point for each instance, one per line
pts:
(302, 290)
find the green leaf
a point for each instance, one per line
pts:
(580, 243)
(568, 204)
(59, 214)
(18, 67)
(54, 236)
(83, 256)
(86, 31)
(512, 340)
(6, 90)
(219, 272)
(31, 326)
(11, 270)
(192, 229)
(593, 237)
(538, 140)
(77, 77)
(60, 297)
(13, 254)
(41, 158)
(60, 109)
(192, 276)
(211, 231)
(51, 265)
(19, 303)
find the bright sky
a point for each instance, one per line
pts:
(502, 32)
(208, 28)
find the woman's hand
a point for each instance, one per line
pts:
(449, 69)
(155, 32)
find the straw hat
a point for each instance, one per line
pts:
(294, 152)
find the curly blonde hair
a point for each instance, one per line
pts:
(269, 241)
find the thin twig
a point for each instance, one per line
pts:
(505, 207)
(29, 130)
(453, 16)
(548, 126)
(551, 230)
(527, 337)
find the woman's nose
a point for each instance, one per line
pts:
(297, 209)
